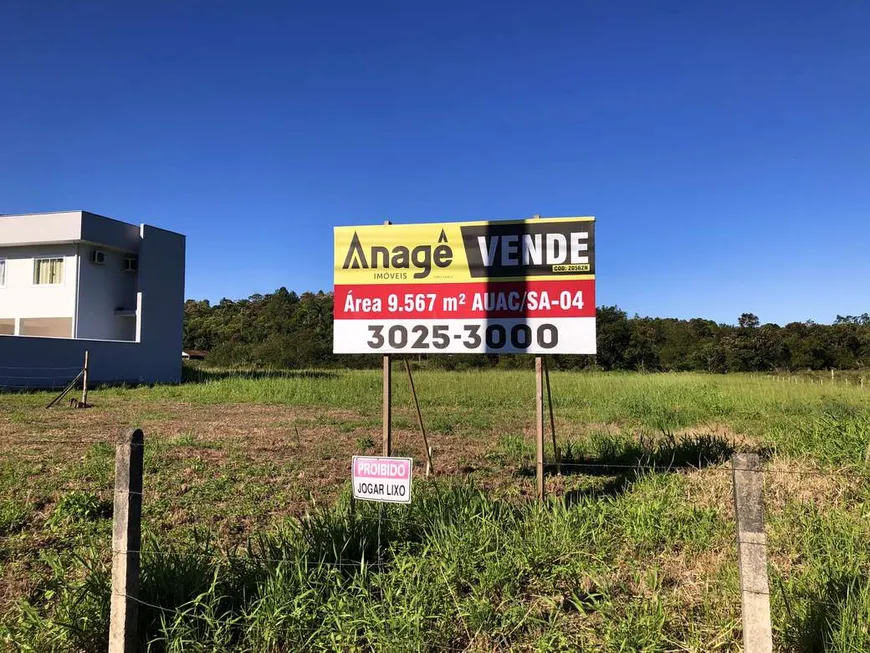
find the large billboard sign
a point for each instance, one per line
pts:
(505, 287)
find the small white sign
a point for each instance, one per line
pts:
(382, 479)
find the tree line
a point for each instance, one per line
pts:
(287, 330)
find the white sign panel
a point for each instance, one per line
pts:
(382, 479)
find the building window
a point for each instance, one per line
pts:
(2, 272)
(48, 271)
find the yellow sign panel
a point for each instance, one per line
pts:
(457, 252)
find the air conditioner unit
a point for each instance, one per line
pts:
(131, 264)
(98, 257)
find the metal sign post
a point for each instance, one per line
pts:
(539, 425)
(387, 448)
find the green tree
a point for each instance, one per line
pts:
(614, 336)
(748, 321)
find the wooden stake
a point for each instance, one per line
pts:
(539, 417)
(387, 449)
(429, 465)
(65, 390)
(556, 451)
(539, 424)
(126, 542)
(388, 399)
(85, 381)
(748, 482)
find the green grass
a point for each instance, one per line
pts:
(455, 569)
(251, 543)
(14, 516)
(752, 404)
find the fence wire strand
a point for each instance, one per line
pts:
(178, 612)
(550, 467)
(41, 369)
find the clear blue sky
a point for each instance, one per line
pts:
(723, 146)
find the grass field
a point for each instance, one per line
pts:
(250, 543)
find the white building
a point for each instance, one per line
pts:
(77, 281)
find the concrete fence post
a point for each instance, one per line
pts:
(748, 482)
(126, 543)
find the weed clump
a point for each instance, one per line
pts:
(78, 506)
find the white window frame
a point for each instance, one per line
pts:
(4, 270)
(62, 271)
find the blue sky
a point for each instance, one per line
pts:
(723, 146)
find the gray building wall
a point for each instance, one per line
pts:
(102, 290)
(52, 362)
(109, 232)
(161, 283)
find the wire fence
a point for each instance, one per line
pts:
(36, 377)
(103, 486)
(311, 632)
(20, 446)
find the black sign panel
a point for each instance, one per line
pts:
(530, 248)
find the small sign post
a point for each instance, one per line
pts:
(382, 479)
